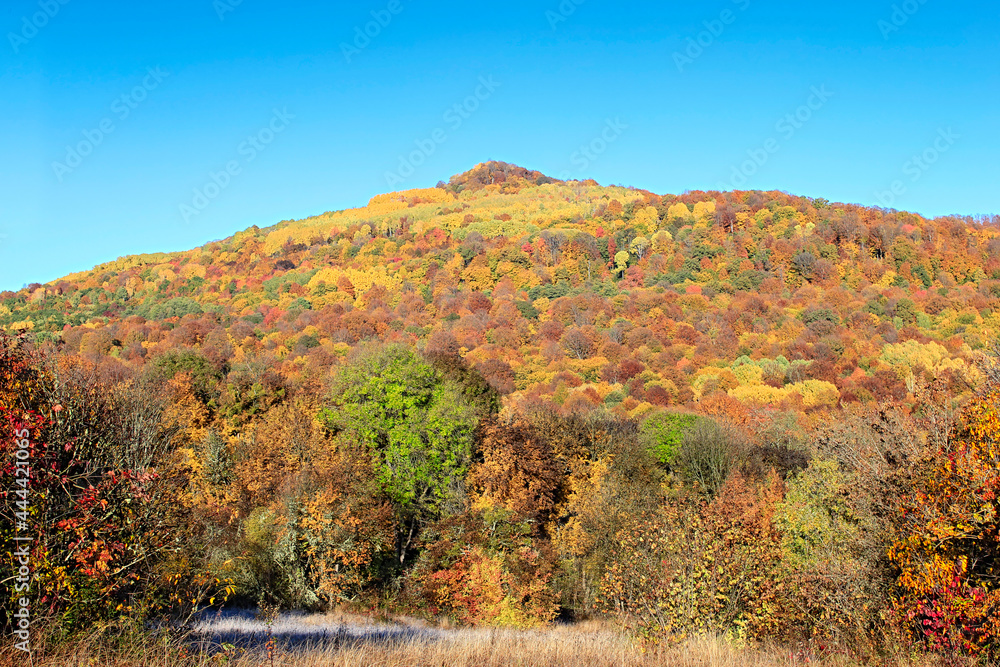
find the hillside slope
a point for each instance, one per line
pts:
(508, 399)
(568, 291)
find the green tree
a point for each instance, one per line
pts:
(638, 246)
(418, 428)
(662, 433)
(833, 574)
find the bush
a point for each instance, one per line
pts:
(482, 568)
(707, 453)
(835, 585)
(948, 548)
(104, 522)
(697, 568)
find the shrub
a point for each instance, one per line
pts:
(949, 544)
(707, 453)
(102, 520)
(695, 568)
(835, 586)
(483, 569)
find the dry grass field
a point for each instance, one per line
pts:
(346, 641)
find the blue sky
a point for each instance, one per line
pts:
(154, 126)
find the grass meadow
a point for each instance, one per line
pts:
(343, 640)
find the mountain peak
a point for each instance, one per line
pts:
(493, 172)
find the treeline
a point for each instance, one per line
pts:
(402, 484)
(582, 295)
(509, 399)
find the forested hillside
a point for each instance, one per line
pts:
(580, 294)
(510, 398)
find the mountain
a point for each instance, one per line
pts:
(510, 398)
(569, 292)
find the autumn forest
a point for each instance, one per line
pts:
(514, 401)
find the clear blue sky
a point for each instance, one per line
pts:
(931, 85)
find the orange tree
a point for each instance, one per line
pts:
(482, 567)
(948, 549)
(516, 470)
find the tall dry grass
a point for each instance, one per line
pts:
(562, 646)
